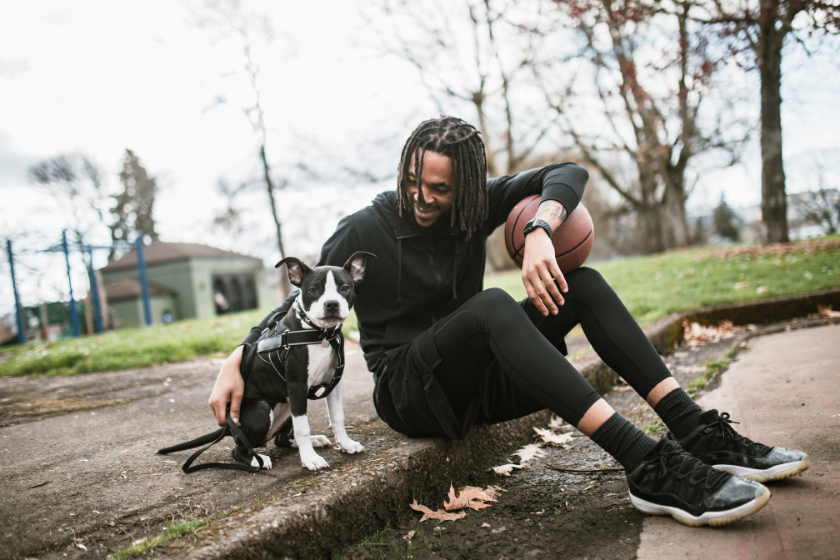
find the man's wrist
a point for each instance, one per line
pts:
(535, 224)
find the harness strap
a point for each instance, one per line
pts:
(231, 427)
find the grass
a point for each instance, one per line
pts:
(712, 369)
(174, 530)
(651, 287)
(655, 286)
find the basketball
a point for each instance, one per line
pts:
(572, 240)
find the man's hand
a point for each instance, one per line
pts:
(229, 388)
(540, 271)
(539, 266)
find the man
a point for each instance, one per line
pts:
(445, 354)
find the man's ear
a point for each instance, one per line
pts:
(355, 265)
(297, 270)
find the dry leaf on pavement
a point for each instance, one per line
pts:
(528, 452)
(550, 437)
(440, 515)
(555, 422)
(469, 496)
(505, 469)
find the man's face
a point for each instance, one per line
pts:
(437, 187)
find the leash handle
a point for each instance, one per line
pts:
(231, 427)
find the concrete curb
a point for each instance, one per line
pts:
(320, 515)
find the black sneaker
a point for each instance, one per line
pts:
(669, 481)
(716, 443)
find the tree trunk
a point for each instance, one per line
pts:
(285, 286)
(773, 196)
(650, 228)
(675, 223)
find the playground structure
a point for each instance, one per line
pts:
(66, 248)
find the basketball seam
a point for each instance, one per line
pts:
(575, 247)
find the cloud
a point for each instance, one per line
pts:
(11, 68)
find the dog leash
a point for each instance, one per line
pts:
(230, 427)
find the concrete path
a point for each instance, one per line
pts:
(785, 391)
(92, 478)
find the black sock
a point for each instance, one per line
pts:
(624, 441)
(679, 412)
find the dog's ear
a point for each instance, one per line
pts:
(297, 270)
(355, 265)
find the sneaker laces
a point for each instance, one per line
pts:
(722, 426)
(675, 460)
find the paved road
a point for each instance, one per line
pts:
(785, 391)
(91, 478)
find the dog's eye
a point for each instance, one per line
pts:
(312, 289)
(345, 289)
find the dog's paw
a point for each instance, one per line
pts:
(313, 461)
(350, 446)
(320, 441)
(265, 459)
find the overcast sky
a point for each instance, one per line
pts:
(100, 76)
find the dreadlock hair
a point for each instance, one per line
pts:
(461, 142)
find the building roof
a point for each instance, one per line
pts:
(122, 289)
(161, 252)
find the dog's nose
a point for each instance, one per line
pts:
(331, 306)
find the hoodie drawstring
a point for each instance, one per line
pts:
(399, 269)
(455, 272)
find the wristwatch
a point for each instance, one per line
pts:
(534, 224)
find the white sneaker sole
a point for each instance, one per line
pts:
(778, 472)
(713, 518)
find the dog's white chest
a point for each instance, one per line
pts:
(322, 364)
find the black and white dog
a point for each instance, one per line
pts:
(297, 358)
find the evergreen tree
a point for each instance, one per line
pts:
(133, 207)
(726, 221)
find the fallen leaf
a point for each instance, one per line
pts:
(499, 530)
(621, 388)
(505, 469)
(80, 545)
(469, 496)
(555, 422)
(825, 311)
(550, 437)
(528, 452)
(761, 289)
(409, 536)
(485, 525)
(440, 515)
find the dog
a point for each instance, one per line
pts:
(297, 358)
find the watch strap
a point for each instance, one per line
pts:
(535, 223)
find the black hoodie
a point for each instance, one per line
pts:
(422, 274)
(419, 276)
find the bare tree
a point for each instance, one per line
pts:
(229, 219)
(227, 19)
(760, 29)
(472, 56)
(638, 98)
(819, 203)
(76, 183)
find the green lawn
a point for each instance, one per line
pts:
(651, 287)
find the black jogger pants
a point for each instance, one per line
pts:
(494, 337)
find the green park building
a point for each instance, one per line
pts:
(186, 281)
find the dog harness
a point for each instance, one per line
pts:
(272, 348)
(275, 341)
